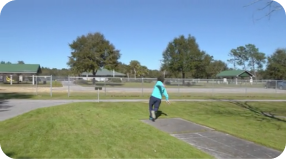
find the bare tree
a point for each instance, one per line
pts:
(271, 5)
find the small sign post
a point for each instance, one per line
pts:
(97, 88)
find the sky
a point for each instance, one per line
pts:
(40, 31)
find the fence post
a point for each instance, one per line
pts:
(142, 87)
(179, 87)
(276, 86)
(104, 86)
(68, 86)
(36, 85)
(98, 95)
(51, 86)
(11, 79)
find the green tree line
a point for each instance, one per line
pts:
(121, 67)
(182, 58)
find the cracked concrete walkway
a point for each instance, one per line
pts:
(218, 144)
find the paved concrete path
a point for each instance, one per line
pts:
(14, 107)
(217, 144)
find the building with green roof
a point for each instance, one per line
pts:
(14, 72)
(103, 73)
(234, 74)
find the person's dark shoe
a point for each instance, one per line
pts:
(152, 119)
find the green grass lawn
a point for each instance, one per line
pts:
(278, 109)
(151, 85)
(108, 95)
(89, 130)
(107, 130)
(138, 95)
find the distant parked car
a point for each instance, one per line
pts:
(276, 84)
(271, 84)
(282, 85)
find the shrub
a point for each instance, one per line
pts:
(148, 80)
(56, 84)
(81, 81)
(167, 82)
(116, 80)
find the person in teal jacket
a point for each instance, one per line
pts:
(156, 97)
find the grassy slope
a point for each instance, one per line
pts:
(137, 95)
(107, 130)
(90, 131)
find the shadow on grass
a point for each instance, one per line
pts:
(11, 155)
(159, 113)
(4, 97)
(257, 111)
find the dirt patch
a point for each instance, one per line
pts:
(29, 89)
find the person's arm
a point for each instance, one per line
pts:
(165, 93)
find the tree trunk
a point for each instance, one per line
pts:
(94, 74)
(183, 76)
(253, 67)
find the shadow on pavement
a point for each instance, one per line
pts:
(3, 105)
(4, 97)
(159, 113)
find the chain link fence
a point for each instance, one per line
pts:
(111, 86)
(37, 85)
(135, 87)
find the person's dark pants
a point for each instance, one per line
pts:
(154, 104)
